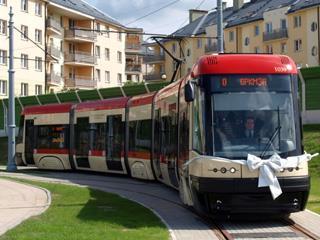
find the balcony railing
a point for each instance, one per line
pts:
(79, 81)
(133, 46)
(275, 34)
(153, 58)
(52, 23)
(133, 68)
(53, 78)
(54, 51)
(86, 34)
(153, 76)
(80, 57)
(211, 48)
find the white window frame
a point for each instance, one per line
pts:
(119, 36)
(38, 36)
(24, 61)
(38, 9)
(107, 54)
(98, 52)
(3, 27)
(38, 64)
(98, 75)
(3, 57)
(3, 87)
(119, 79)
(199, 43)
(283, 47)
(107, 31)
(231, 36)
(3, 2)
(119, 57)
(24, 32)
(297, 21)
(107, 77)
(256, 30)
(24, 5)
(298, 45)
(24, 89)
(269, 27)
(38, 89)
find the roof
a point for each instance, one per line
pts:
(244, 64)
(114, 103)
(47, 109)
(141, 100)
(299, 5)
(253, 11)
(84, 7)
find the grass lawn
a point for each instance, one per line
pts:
(78, 213)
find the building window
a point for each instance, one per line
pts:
(298, 45)
(3, 57)
(314, 27)
(174, 47)
(3, 27)
(24, 61)
(24, 32)
(231, 36)
(283, 47)
(24, 5)
(38, 64)
(269, 27)
(24, 89)
(188, 52)
(3, 87)
(98, 51)
(119, 78)
(38, 36)
(119, 57)
(247, 41)
(98, 76)
(269, 49)
(107, 54)
(120, 36)
(3, 2)
(256, 30)
(283, 23)
(38, 9)
(107, 32)
(199, 43)
(107, 77)
(129, 77)
(297, 21)
(98, 27)
(314, 51)
(38, 90)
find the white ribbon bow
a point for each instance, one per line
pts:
(268, 169)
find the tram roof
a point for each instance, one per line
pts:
(107, 104)
(141, 100)
(244, 64)
(47, 109)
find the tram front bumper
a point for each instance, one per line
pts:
(234, 195)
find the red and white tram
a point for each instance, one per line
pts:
(189, 135)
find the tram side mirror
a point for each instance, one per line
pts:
(189, 92)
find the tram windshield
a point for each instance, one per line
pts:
(252, 115)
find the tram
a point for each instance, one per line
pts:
(195, 135)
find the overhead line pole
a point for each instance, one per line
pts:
(220, 26)
(11, 166)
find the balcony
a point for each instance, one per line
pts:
(53, 26)
(54, 52)
(153, 58)
(134, 68)
(53, 79)
(80, 58)
(82, 82)
(275, 34)
(211, 48)
(154, 77)
(87, 35)
(133, 47)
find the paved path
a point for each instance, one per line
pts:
(19, 202)
(162, 200)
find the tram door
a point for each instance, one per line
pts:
(82, 142)
(114, 141)
(157, 145)
(30, 141)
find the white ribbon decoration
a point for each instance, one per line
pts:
(267, 168)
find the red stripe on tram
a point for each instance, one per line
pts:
(50, 151)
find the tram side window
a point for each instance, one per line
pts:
(169, 135)
(115, 137)
(198, 134)
(52, 137)
(82, 136)
(98, 136)
(140, 135)
(184, 137)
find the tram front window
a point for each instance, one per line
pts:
(253, 119)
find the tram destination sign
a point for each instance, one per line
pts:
(251, 83)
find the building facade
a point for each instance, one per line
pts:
(288, 27)
(63, 45)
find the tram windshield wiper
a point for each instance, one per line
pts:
(273, 136)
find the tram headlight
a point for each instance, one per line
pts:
(223, 170)
(233, 170)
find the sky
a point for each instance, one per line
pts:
(165, 21)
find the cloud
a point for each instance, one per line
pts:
(165, 21)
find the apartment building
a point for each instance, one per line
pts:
(62, 45)
(29, 59)
(134, 54)
(289, 27)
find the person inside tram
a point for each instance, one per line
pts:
(249, 127)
